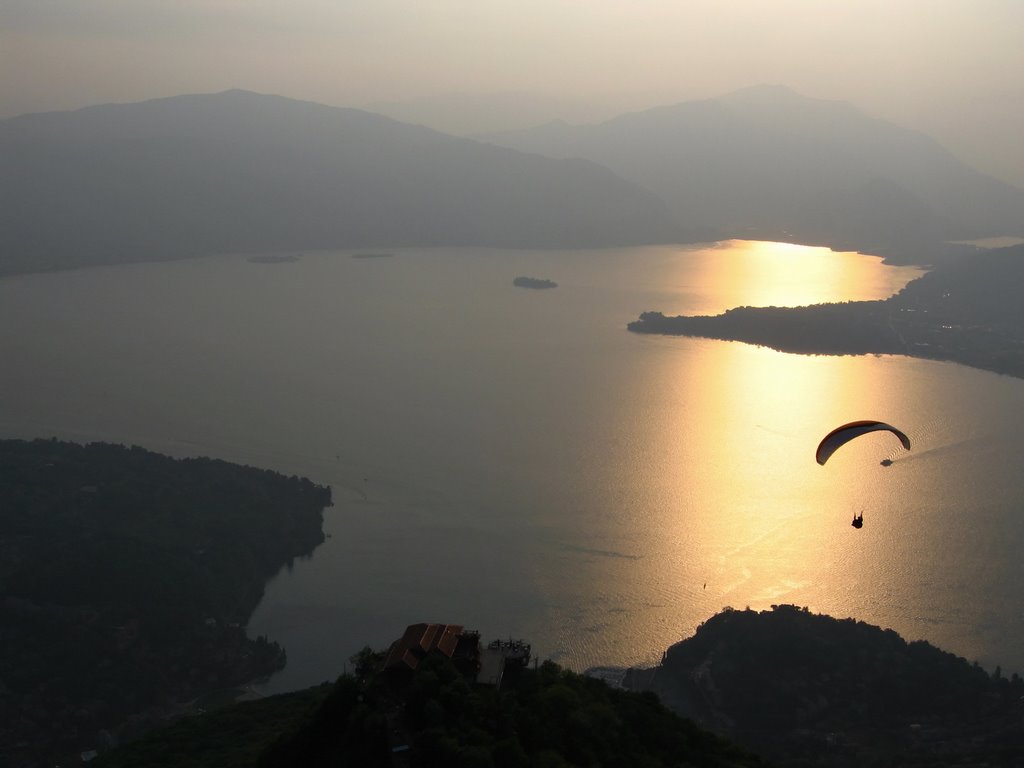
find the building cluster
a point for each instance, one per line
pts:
(483, 665)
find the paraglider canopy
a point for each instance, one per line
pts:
(840, 436)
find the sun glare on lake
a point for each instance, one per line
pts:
(766, 274)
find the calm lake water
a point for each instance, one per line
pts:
(515, 461)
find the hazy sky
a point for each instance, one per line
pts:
(954, 68)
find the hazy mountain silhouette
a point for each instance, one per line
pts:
(464, 114)
(239, 171)
(765, 162)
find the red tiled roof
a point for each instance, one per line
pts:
(421, 639)
(410, 659)
(449, 639)
(428, 641)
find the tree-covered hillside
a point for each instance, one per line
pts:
(126, 579)
(546, 717)
(785, 686)
(807, 689)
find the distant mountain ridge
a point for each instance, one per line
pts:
(245, 172)
(768, 163)
(240, 171)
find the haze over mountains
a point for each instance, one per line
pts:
(768, 163)
(239, 171)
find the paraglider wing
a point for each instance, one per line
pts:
(842, 435)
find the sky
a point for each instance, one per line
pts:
(951, 68)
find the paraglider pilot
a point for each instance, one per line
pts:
(858, 520)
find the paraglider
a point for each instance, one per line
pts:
(842, 435)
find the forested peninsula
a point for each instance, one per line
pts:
(126, 581)
(804, 689)
(783, 687)
(968, 311)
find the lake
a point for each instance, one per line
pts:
(515, 461)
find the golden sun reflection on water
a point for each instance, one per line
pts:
(731, 507)
(756, 471)
(764, 274)
(704, 486)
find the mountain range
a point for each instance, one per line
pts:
(768, 163)
(244, 172)
(239, 171)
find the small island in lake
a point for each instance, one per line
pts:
(372, 255)
(534, 282)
